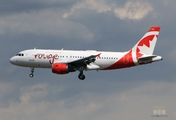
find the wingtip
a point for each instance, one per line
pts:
(99, 55)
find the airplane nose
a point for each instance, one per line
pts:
(12, 60)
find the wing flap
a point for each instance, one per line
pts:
(84, 63)
(92, 67)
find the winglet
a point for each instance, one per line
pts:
(99, 55)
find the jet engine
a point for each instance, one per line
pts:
(62, 68)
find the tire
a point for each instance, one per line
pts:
(81, 77)
(31, 75)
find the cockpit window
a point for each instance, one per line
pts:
(20, 54)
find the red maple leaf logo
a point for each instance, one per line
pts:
(146, 41)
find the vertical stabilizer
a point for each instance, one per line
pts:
(147, 43)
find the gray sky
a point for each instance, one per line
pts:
(112, 25)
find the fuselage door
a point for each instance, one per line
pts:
(32, 56)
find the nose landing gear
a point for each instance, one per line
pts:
(32, 71)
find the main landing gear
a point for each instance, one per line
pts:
(32, 71)
(81, 76)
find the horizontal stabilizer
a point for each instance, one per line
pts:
(149, 58)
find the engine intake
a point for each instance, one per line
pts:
(61, 68)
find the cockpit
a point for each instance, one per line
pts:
(20, 54)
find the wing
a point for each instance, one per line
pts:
(82, 63)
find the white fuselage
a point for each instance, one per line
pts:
(38, 58)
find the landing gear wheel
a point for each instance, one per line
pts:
(31, 75)
(32, 71)
(81, 76)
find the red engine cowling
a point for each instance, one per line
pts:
(61, 68)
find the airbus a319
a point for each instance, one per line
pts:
(66, 61)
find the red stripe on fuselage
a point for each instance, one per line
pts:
(125, 61)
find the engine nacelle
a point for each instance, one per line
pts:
(61, 68)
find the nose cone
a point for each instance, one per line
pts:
(12, 60)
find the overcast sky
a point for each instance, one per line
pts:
(111, 25)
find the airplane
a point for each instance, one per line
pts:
(66, 61)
